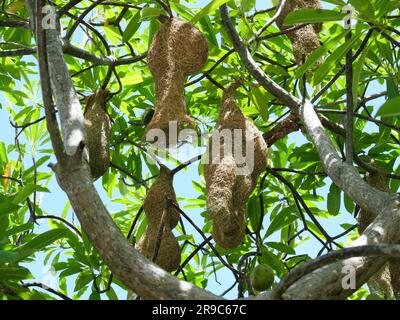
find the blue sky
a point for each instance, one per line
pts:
(54, 202)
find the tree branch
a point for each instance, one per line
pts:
(73, 176)
(290, 100)
(48, 289)
(282, 129)
(349, 103)
(325, 283)
(389, 251)
(14, 24)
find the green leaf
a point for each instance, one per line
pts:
(272, 260)
(7, 208)
(3, 153)
(132, 27)
(14, 273)
(333, 199)
(7, 257)
(19, 229)
(82, 280)
(150, 13)
(348, 203)
(40, 242)
(338, 2)
(26, 191)
(247, 5)
(313, 57)
(209, 8)
(281, 247)
(312, 16)
(330, 62)
(254, 212)
(357, 73)
(390, 108)
(111, 295)
(258, 97)
(282, 219)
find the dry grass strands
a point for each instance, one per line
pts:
(166, 248)
(386, 282)
(304, 40)
(178, 49)
(98, 132)
(228, 182)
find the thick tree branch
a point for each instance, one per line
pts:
(73, 176)
(325, 283)
(45, 83)
(282, 129)
(389, 251)
(271, 86)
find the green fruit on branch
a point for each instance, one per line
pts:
(262, 277)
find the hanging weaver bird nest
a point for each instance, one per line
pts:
(98, 132)
(158, 241)
(228, 183)
(178, 49)
(304, 40)
(386, 282)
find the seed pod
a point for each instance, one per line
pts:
(178, 49)
(304, 40)
(228, 185)
(168, 255)
(98, 132)
(386, 282)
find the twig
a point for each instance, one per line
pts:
(51, 121)
(272, 20)
(160, 233)
(138, 181)
(134, 222)
(349, 103)
(14, 24)
(194, 252)
(251, 65)
(69, 224)
(342, 69)
(44, 287)
(316, 173)
(81, 17)
(226, 264)
(67, 7)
